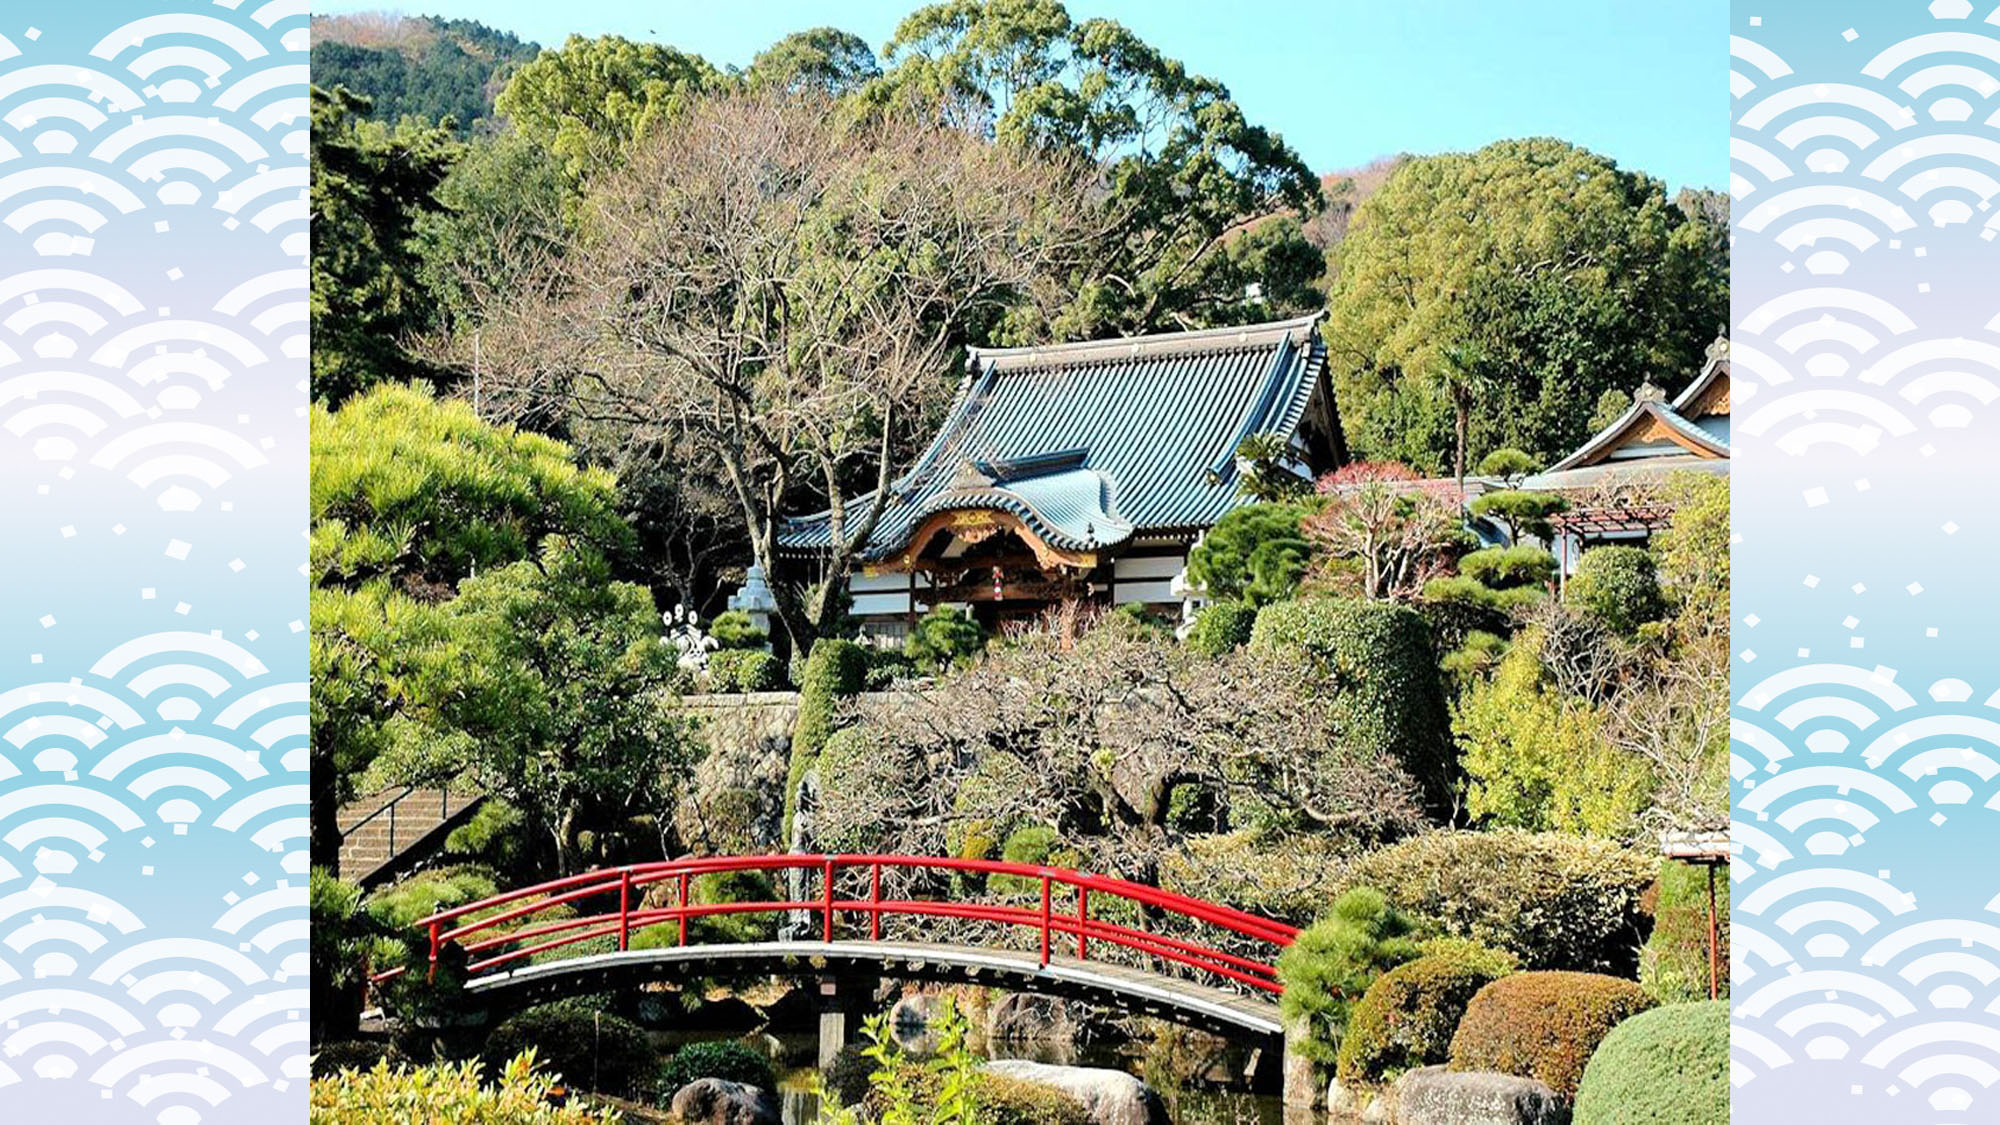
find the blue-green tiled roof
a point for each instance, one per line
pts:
(1093, 443)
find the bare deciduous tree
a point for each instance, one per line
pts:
(784, 286)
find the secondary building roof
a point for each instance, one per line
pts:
(1655, 436)
(1088, 445)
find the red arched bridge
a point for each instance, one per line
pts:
(1066, 933)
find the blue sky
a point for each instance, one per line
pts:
(1644, 81)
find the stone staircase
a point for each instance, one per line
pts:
(380, 832)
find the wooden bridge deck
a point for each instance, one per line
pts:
(1130, 989)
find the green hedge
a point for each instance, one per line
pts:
(1552, 900)
(1505, 568)
(1408, 1016)
(836, 670)
(1543, 1026)
(721, 1058)
(1619, 586)
(591, 1050)
(745, 670)
(1381, 671)
(1222, 627)
(1669, 1066)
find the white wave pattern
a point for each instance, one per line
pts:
(124, 376)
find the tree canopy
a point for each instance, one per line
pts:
(1209, 205)
(423, 67)
(823, 60)
(1511, 288)
(590, 98)
(371, 186)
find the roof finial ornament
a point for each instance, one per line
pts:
(1648, 392)
(1718, 348)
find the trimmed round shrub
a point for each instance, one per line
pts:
(589, 1049)
(718, 1058)
(1385, 695)
(719, 887)
(1408, 1016)
(1222, 627)
(1554, 901)
(745, 670)
(1255, 553)
(1543, 1025)
(943, 639)
(735, 631)
(1503, 568)
(1328, 969)
(1669, 1066)
(1619, 586)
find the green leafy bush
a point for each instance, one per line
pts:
(1543, 1025)
(1472, 660)
(1540, 759)
(1376, 662)
(1669, 1066)
(1222, 627)
(1034, 844)
(885, 667)
(1674, 964)
(341, 946)
(836, 670)
(590, 1049)
(721, 1058)
(1457, 589)
(845, 1082)
(745, 670)
(1407, 1018)
(491, 837)
(1255, 553)
(1554, 901)
(1011, 1101)
(1521, 513)
(400, 905)
(1333, 962)
(447, 1092)
(1619, 586)
(734, 631)
(719, 887)
(943, 639)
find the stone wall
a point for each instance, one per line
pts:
(738, 803)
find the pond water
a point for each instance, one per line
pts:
(1198, 1094)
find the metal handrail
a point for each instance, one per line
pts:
(389, 806)
(492, 934)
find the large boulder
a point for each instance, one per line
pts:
(712, 1101)
(1022, 1017)
(1111, 1097)
(1432, 1095)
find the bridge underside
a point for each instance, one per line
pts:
(1135, 991)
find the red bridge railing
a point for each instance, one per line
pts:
(505, 929)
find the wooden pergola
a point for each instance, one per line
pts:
(1707, 848)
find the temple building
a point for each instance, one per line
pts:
(1083, 471)
(1608, 479)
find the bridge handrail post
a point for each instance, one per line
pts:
(827, 889)
(1082, 923)
(875, 903)
(1045, 919)
(624, 909)
(434, 952)
(681, 907)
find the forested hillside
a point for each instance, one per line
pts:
(418, 66)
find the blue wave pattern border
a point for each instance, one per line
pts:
(153, 707)
(1866, 736)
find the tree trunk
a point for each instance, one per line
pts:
(324, 825)
(1461, 401)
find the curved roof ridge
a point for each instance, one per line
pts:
(1139, 347)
